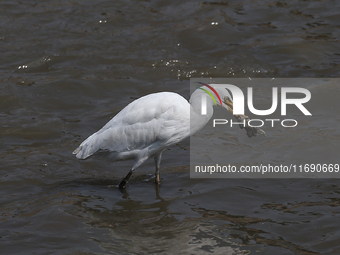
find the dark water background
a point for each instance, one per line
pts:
(67, 67)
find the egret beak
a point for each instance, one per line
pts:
(230, 105)
(251, 131)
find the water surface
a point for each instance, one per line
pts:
(67, 67)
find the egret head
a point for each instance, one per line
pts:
(225, 97)
(227, 102)
(218, 94)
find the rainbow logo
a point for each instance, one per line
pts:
(209, 93)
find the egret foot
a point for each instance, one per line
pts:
(122, 184)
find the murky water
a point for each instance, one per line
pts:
(67, 67)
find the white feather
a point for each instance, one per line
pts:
(143, 128)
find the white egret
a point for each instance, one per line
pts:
(150, 124)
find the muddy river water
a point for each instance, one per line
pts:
(67, 67)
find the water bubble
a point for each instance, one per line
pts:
(23, 67)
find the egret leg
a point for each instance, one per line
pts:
(158, 158)
(123, 183)
(157, 179)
